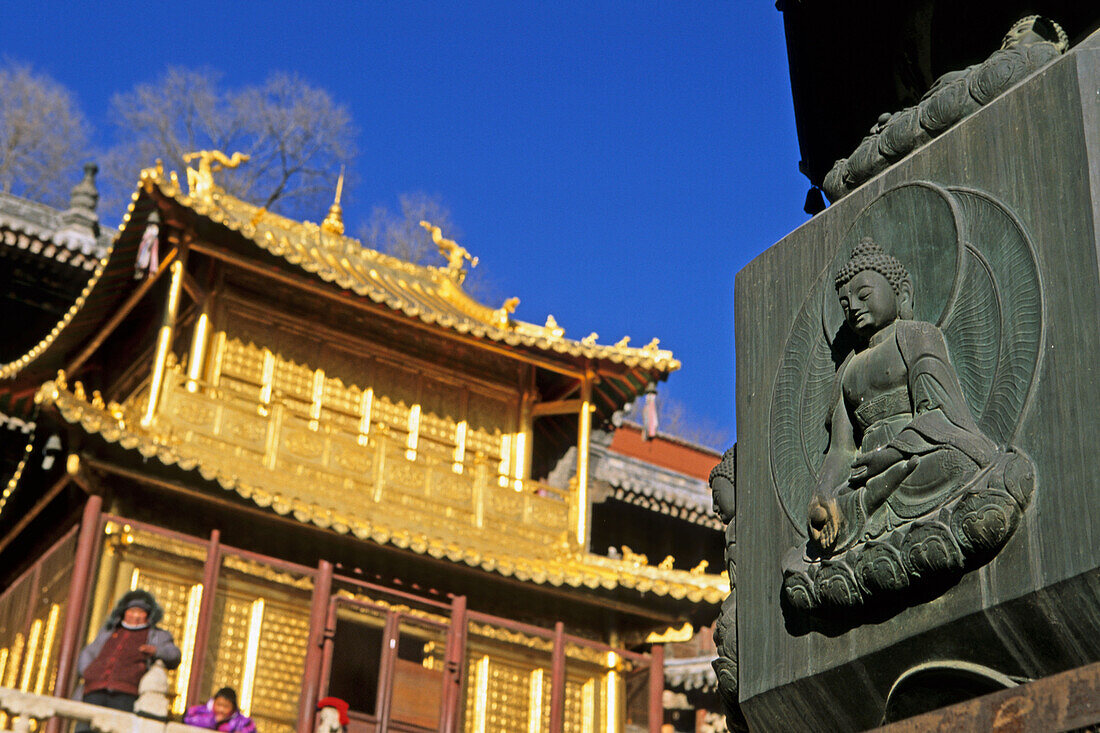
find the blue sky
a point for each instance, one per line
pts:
(611, 163)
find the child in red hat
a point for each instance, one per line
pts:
(333, 711)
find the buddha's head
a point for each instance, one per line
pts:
(874, 289)
(722, 483)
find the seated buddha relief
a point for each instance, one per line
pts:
(901, 436)
(910, 489)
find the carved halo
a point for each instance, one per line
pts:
(974, 274)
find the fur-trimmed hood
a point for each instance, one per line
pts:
(156, 613)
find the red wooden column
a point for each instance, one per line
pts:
(557, 681)
(311, 676)
(78, 594)
(210, 573)
(656, 688)
(327, 642)
(454, 665)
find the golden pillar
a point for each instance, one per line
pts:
(196, 363)
(164, 338)
(584, 430)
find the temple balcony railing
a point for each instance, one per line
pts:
(26, 711)
(284, 634)
(370, 469)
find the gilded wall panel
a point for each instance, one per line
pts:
(491, 415)
(278, 677)
(294, 381)
(342, 398)
(13, 616)
(363, 452)
(442, 406)
(303, 444)
(508, 505)
(54, 580)
(196, 411)
(580, 705)
(242, 428)
(226, 652)
(243, 362)
(352, 458)
(405, 476)
(508, 697)
(172, 593)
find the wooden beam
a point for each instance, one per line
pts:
(366, 304)
(39, 505)
(565, 393)
(561, 407)
(119, 315)
(454, 667)
(623, 396)
(196, 293)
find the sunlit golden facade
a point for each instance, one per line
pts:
(280, 378)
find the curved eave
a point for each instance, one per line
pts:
(568, 568)
(110, 283)
(423, 293)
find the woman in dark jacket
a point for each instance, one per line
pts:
(114, 663)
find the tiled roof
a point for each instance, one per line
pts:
(286, 496)
(432, 294)
(638, 482)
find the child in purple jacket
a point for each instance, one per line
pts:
(220, 713)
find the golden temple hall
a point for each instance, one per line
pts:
(338, 472)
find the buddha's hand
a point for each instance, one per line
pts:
(872, 463)
(824, 522)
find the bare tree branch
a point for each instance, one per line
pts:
(43, 136)
(296, 134)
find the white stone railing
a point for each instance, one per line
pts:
(23, 707)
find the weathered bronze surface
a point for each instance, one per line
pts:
(1030, 44)
(912, 488)
(996, 221)
(722, 488)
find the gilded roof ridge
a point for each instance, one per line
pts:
(345, 262)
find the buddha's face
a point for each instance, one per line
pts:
(723, 498)
(869, 303)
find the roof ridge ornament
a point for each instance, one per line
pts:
(80, 221)
(455, 253)
(334, 222)
(201, 182)
(555, 331)
(500, 315)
